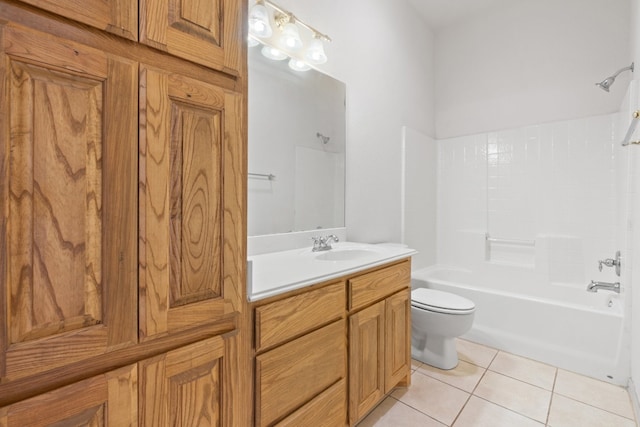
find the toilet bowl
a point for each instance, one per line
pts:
(437, 318)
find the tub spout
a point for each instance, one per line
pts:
(595, 286)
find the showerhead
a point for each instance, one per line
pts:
(606, 83)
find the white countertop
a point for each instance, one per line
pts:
(277, 272)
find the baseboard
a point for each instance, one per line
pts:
(634, 400)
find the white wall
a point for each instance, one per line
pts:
(384, 53)
(529, 62)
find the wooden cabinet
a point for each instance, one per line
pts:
(119, 17)
(68, 251)
(208, 32)
(379, 337)
(183, 387)
(122, 233)
(366, 360)
(301, 341)
(108, 399)
(302, 358)
(187, 126)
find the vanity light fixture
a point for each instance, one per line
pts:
(259, 23)
(315, 52)
(286, 40)
(273, 53)
(298, 65)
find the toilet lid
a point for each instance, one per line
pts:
(432, 299)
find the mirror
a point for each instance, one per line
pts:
(297, 141)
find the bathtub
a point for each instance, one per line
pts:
(584, 335)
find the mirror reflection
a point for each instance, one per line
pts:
(297, 142)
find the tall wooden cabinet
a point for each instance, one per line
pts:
(122, 187)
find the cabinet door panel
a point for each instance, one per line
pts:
(208, 32)
(366, 360)
(68, 257)
(291, 375)
(183, 387)
(397, 339)
(110, 399)
(119, 17)
(186, 128)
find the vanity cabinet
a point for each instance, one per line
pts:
(379, 336)
(122, 237)
(327, 355)
(301, 358)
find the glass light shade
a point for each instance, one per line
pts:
(273, 53)
(291, 37)
(315, 52)
(259, 21)
(298, 65)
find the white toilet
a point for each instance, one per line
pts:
(437, 318)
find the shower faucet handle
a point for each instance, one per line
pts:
(609, 262)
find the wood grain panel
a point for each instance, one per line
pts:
(289, 376)
(119, 17)
(186, 129)
(70, 217)
(193, 30)
(328, 409)
(371, 287)
(397, 339)
(366, 360)
(183, 387)
(98, 401)
(283, 320)
(195, 204)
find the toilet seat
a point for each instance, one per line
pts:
(441, 302)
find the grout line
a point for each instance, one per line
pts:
(553, 393)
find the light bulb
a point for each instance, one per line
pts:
(259, 21)
(251, 42)
(291, 37)
(315, 52)
(273, 53)
(298, 65)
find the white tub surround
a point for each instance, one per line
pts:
(270, 274)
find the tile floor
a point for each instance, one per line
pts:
(491, 388)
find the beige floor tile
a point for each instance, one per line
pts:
(477, 354)
(480, 413)
(594, 392)
(415, 364)
(567, 412)
(465, 376)
(523, 369)
(432, 397)
(523, 398)
(393, 413)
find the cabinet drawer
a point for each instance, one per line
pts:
(329, 409)
(378, 284)
(291, 375)
(285, 319)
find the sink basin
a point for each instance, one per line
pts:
(345, 254)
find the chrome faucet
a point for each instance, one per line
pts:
(609, 262)
(323, 243)
(595, 286)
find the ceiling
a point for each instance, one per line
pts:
(440, 13)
